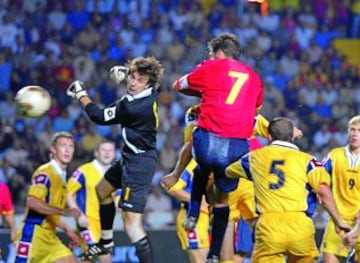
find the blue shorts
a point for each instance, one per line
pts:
(244, 239)
(214, 154)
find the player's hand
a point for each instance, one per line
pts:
(72, 212)
(74, 239)
(341, 226)
(76, 90)
(351, 237)
(168, 181)
(83, 221)
(118, 73)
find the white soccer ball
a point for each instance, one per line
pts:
(32, 101)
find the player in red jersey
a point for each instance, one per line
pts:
(231, 94)
(7, 209)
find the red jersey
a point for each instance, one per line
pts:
(6, 206)
(231, 93)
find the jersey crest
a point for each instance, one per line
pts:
(23, 249)
(109, 113)
(41, 179)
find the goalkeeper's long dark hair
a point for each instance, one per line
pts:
(148, 66)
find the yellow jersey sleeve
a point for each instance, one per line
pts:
(188, 132)
(240, 168)
(39, 186)
(317, 175)
(73, 185)
(185, 180)
(261, 126)
(180, 184)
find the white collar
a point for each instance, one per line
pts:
(354, 159)
(145, 93)
(284, 144)
(58, 170)
(101, 168)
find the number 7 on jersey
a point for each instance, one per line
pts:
(241, 78)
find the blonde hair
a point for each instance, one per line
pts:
(62, 134)
(354, 120)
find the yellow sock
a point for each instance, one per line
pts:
(227, 261)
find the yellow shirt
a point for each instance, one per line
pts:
(283, 177)
(355, 7)
(261, 126)
(185, 179)
(82, 183)
(344, 170)
(48, 185)
(294, 4)
(276, 5)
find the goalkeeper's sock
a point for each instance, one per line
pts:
(198, 188)
(221, 216)
(144, 250)
(107, 214)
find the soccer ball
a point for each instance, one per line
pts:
(32, 101)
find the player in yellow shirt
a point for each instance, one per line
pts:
(36, 238)
(241, 200)
(82, 195)
(343, 165)
(284, 179)
(242, 205)
(196, 241)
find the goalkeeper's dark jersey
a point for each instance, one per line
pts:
(137, 115)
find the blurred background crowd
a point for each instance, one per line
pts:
(307, 76)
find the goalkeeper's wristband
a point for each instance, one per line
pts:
(80, 94)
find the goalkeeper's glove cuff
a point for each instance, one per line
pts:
(81, 94)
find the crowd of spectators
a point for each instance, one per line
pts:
(51, 43)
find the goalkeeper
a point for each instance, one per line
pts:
(136, 112)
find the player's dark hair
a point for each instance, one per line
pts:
(147, 66)
(58, 135)
(226, 42)
(281, 129)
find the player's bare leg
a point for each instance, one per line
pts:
(137, 235)
(227, 247)
(197, 255)
(69, 259)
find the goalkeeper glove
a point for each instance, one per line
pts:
(118, 73)
(76, 90)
